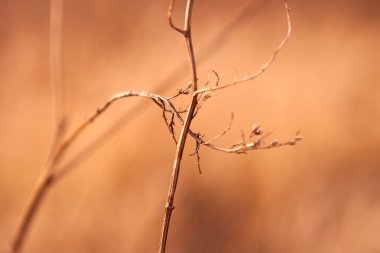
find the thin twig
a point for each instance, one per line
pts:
(50, 175)
(222, 133)
(186, 126)
(170, 15)
(131, 93)
(181, 91)
(196, 152)
(31, 208)
(57, 84)
(160, 101)
(264, 67)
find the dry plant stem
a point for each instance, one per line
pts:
(186, 126)
(56, 20)
(213, 46)
(57, 84)
(33, 204)
(222, 133)
(51, 174)
(170, 15)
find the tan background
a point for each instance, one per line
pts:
(319, 196)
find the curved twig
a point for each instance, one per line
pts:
(264, 67)
(170, 15)
(51, 174)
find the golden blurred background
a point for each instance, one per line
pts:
(319, 196)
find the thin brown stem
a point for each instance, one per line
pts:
(30, 210)
(186, 126)
(57, 84)
(264, 67)
(222, 133)
(60, 146)
(211, 48)
(170, 17)
(51, 174)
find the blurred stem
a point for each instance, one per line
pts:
(186, 126)
(56, 69)
(29, 212)
(45, 181)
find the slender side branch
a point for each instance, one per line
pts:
(222, 133)
(170, 15)
(51, 175)
(264, 67)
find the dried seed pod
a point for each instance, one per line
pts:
(258, 143)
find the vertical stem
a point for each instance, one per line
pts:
(186, 126)
(56, 68)
(45, 181)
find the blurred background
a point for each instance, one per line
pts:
(319, 196)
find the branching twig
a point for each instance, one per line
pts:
(52, 174)
(170, 15)
(238, 149)
(181, 91)
(212, 47)
(196, 152)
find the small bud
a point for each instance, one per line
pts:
(206, 96)
(257, 130)
(275, 143)
(182, 91)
